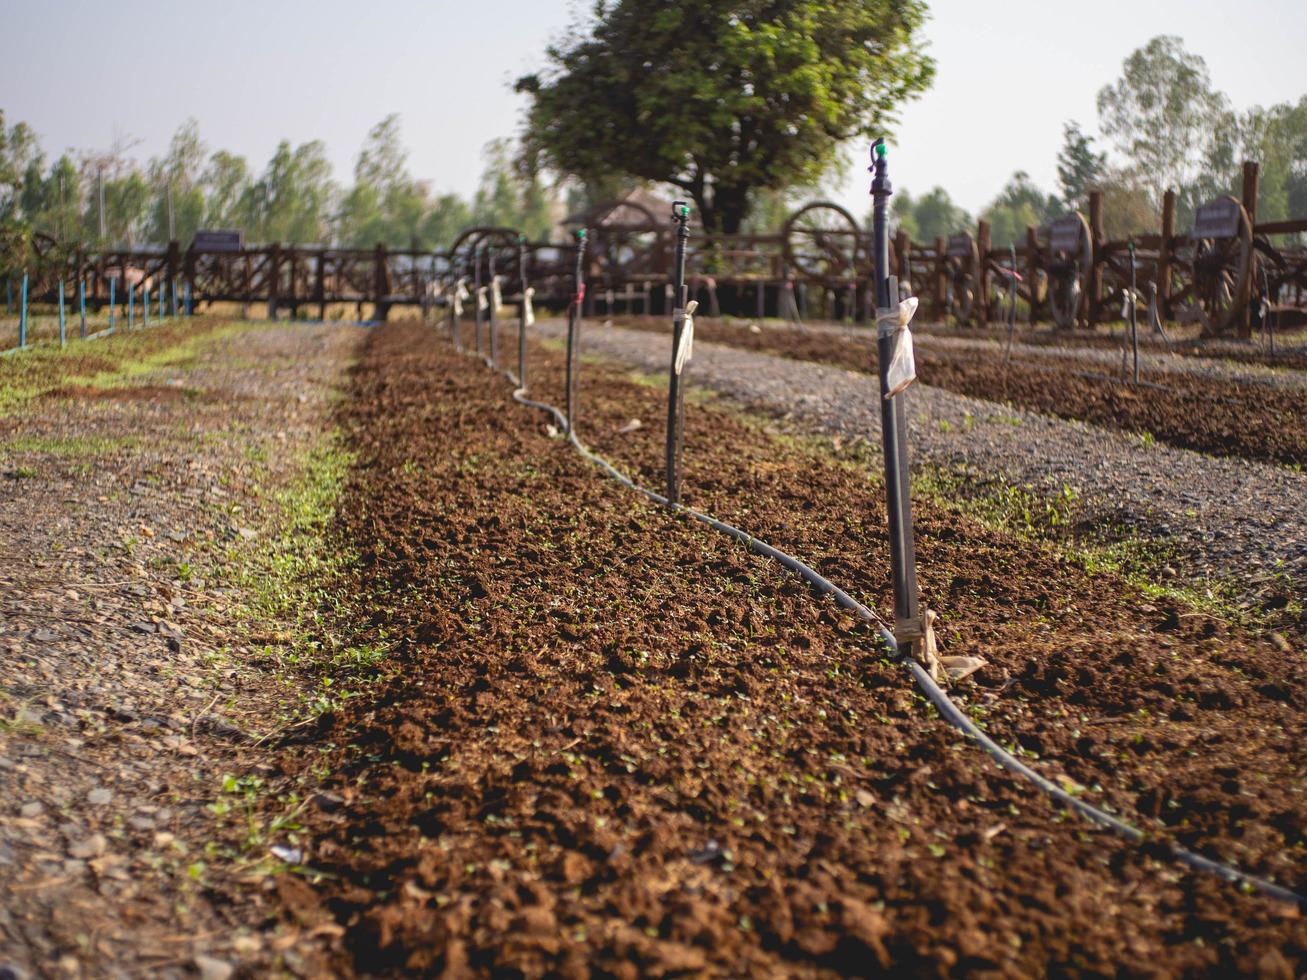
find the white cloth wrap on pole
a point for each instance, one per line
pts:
(528, 309)
(902, 365)
(482, 302)
(497, 294)
(460, 294)
(685, 349)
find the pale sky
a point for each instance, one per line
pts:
(1010, 72)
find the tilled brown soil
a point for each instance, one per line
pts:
(1220, 417)
(620, 744)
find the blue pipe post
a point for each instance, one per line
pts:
(9, 295)
(186, 293)
(145, 304)
(113, 301)
(131, 307)
(63, 339)
(22, 316)
(81, 303)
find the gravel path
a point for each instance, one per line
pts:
(1227, 518)
(124, 696)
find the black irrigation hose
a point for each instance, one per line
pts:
(948, 710)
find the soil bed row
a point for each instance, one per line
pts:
(1215, 416)
(615, 742)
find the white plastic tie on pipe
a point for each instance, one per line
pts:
(497, 294)
(528, 309)
(460, 294)
(482, 302)
(685, 349)
(902, 365)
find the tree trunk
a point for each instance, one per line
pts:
(729, 208)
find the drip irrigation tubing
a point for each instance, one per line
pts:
(945, 705)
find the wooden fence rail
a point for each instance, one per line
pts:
(1224, 273)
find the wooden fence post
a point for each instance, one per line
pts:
(174, 268)
(1166, 255)
(903, 252)
(1032, 269)
(939, 298)
(274, 280)
(1096, 241)
(1249, 199)
(380, 284)
(320, 285)
(981, 305)
(294, 291)
(188, 276)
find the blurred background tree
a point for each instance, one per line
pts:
(742, 107)
(928, 217)
(724, 99)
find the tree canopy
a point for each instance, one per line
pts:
(930, 216)
(1078, 166)
(293, 199)
(727, 97)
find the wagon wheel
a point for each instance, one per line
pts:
(628, 246)
(822, 243)
(1222, 275)
(960, 282)
(1069, 270)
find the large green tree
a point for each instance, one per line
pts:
(725, 97)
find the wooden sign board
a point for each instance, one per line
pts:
(1217, 219)
(959, 246)
(218, 241)
(1064, 234)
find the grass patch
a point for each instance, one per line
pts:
(67, 447)
(293, 580)
(109, 361)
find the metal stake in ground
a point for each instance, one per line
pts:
(573, 329)
(523, 311)
(1134, 322)
(479, 296)
(912, 629)
(682, 337)
(492, 319)
(456, 310)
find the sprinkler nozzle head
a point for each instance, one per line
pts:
(879, 148)
(580, 235)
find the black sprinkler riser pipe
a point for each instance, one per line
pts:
(893, 418)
